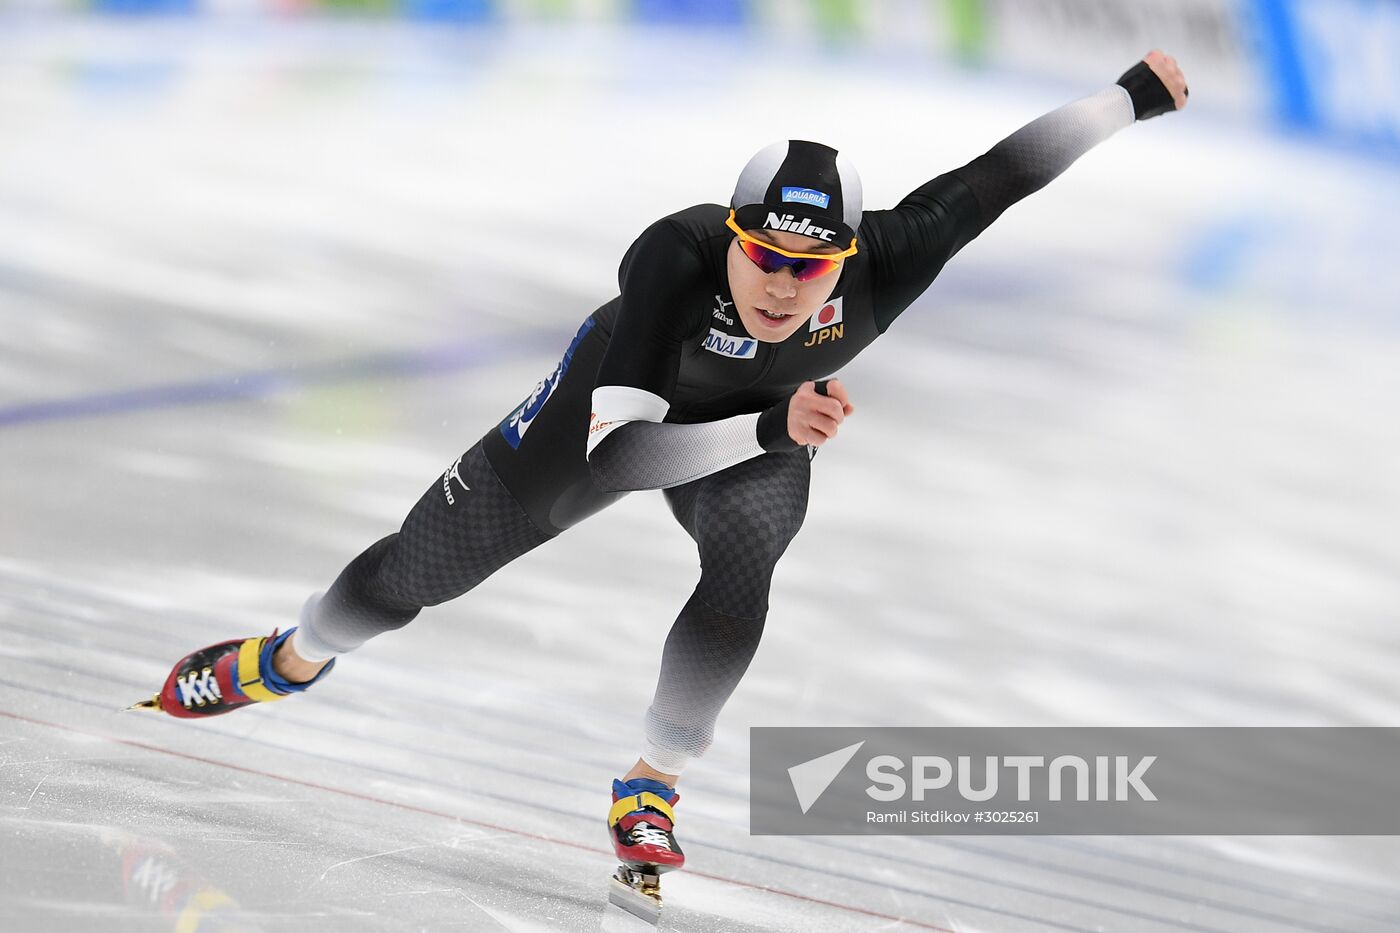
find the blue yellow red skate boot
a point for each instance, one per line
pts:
(642, 826)
(225, 677)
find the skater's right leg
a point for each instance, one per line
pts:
(519, 486)
(291, 665)
(462, 530)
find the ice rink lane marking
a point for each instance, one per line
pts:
(130, 633)
(1044, 865)
(1076, 845)
(447, 357)
(426, 811)
(943, 899)
(1021, 860)
(1109, 880)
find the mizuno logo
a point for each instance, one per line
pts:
(739, 348)
(792, 225)
(453, 472)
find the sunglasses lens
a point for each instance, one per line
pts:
(803, 270)
(765, 259)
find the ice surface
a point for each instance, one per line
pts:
(1131, 461)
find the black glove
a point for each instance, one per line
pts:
(772, 430)
(1150, 96)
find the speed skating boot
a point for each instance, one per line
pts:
(225, 677)
(642, 826)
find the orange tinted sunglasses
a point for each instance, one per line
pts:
(770, 258)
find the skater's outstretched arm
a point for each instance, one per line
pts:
(915, 239)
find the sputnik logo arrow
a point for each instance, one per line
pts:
(811, 778)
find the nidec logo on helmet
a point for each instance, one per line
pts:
(791, 224)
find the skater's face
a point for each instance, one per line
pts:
(773, 305)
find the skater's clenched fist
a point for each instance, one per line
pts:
(813, 418)
(1169, 73)
(1156, 85)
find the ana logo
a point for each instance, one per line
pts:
(718, 312)
(793, 225)
(739, 348)
(453, 472)
(807, 196)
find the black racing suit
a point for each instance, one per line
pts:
(732, 477)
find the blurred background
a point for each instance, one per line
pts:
(267, 268)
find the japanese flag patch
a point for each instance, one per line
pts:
(827, 314)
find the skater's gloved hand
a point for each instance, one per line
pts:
(1156, 85)
(813, 418)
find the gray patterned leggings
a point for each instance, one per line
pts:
(468, 525)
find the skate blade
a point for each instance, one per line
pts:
(152, 704)
(641, 900)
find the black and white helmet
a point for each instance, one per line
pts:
(801, 187)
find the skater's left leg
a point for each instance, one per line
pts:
(742, 520)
